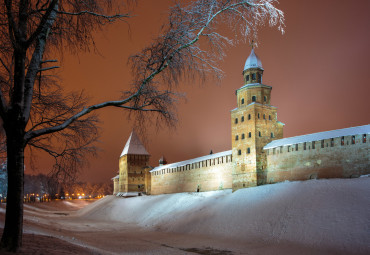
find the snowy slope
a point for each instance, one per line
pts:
(317, 213)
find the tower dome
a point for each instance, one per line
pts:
(253, 61)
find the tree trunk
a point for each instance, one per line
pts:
(12, 235)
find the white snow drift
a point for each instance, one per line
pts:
(317, 213)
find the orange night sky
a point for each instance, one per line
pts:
(319, 70)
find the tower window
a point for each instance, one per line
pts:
(364, 138)
(353, 139)
(243, 136)
(250, 134)
(247, 78)
(242, 100)
(264, 116)
(342, 141)
(249, 116)
(272, 135)
(239, 152)
(254, 98)
(253, 76)
(242, 119)
(236, 121)
(249, 150)
(236, 138)
(259, 133)
(258, 115)
(265, 98)
(269, 117)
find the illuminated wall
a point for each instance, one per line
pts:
(204, 175)
(330, 158)
(132, 172)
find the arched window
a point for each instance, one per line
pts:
(258, 115)
(269, 117)
(247, 78)
(249, 116)
(242, 118)
(265, 98)
(243, 136)
(236, 121)
(264, 116)
(242, 100)
(250, 134)
(272, 135)
(254, 98)
(239, 152)
(249, 150)
(253, 76)
(259, 133)
(236, 138)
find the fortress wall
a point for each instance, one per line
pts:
(207, 175)
(115, 186)
(331, 158)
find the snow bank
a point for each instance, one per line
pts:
(325, 213)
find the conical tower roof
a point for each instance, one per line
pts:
(253, 61)
(134, 146)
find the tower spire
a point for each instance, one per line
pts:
(252, 44)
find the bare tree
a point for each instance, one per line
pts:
(35, 111)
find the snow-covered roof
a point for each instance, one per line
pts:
(255, 85)
(134, 146)
(194, 160)
(253, 61)
(319, 136)
(115, 177)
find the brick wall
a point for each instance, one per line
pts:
(132, 173)
(206, 175)
(338, 158)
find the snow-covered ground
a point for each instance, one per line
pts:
(334, 214)
(310, 217)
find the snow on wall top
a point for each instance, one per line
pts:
(194, 160)
(134, 146)
(253, 61)
(115, 177)
(319, 136)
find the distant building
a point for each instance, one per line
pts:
(259, 154)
